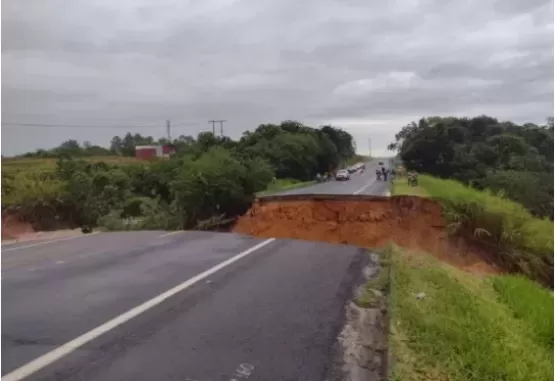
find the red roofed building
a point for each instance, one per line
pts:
(147, 152)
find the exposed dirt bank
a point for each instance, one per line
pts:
(411, 222)
(15, 229)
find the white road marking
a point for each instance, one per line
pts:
(171, 233)
(364, 187)
(56, 354)
(47, 242)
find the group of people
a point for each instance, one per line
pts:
(383, 173)
(412, 178)
(323, 177)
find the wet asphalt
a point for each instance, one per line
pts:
(241, 307)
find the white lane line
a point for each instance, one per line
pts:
(67, 348)
(364, 187)
(171, 233)
(47, 242)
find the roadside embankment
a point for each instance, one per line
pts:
(479, 231)
(447, 324)
(366, 221)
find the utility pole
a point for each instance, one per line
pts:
(168, 130)
(222, 127)
(214, 126)
(370, 147)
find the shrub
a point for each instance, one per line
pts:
(212, 184)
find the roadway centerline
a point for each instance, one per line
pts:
(47, 242)
(67, 348)
(364, 187)
(171, 233)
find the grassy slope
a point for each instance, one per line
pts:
(466, 327)
(523, 243)
(400, 187)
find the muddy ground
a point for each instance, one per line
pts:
(371, 222)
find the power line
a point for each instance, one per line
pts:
(214, 126)
(7, 124)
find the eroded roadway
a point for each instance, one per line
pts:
(175, 306)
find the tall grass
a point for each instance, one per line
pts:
(523, 243)
(400, 187)
(32, 166)
(530, 303)
(465, 327)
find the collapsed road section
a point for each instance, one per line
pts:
(365, 221)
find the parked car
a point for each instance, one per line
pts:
(342, 175)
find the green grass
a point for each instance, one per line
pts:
(284, 184)
(400, 187)
(522, 242)
(467, 327)
(530, 303)
(42, 165)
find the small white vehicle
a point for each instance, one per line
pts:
(342, 175)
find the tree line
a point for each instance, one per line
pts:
(210, 178)
(507, 158)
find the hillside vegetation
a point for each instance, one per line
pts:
(517, 240)
(484, 153)
(211, 178)
(495, 184)
(447, 324)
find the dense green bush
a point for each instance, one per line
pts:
(484, 153)
(211, 178)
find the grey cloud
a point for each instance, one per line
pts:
(371, 66)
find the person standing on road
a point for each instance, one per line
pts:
(384, 172)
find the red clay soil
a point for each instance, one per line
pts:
(410, 222)
(13, 227)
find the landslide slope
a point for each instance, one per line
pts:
(367, 221)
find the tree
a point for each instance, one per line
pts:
(485, 153)
(211, 177)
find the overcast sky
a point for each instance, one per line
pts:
(368, 66)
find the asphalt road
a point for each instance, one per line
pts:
(184, 306)
(364, 183)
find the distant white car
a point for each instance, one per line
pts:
(342, 175)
